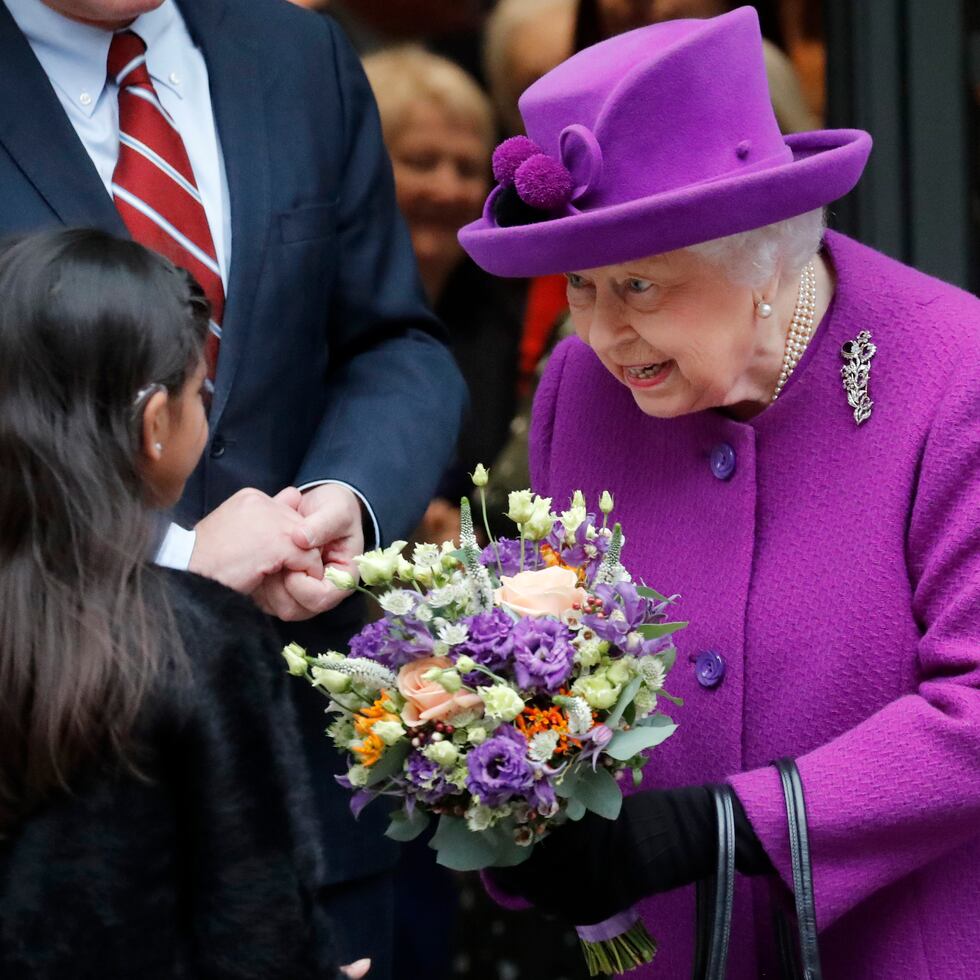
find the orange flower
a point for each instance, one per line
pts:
(371, 745)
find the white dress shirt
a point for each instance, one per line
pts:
(74, 57)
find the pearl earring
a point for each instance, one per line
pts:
(158, 446)
(763, 309)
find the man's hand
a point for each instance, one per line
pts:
(332, 524)
(252, 536)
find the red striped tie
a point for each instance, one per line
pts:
(153, 184)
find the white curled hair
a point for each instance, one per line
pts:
(751, 258)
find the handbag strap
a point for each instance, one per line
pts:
(716, 895)
(799, 844)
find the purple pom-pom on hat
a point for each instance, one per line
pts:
(543, 183)
(509, 156)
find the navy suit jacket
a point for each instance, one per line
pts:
(331, 365)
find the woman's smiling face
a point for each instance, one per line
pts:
(674, 330)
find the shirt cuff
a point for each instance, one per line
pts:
(176, 549)
(368, 546)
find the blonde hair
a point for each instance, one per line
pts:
(508, 16)
(407, 75)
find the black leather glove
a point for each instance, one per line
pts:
(591, 869)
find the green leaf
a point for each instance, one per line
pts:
(389, 763)
(653, 631)
(648, 593)
(575, 809)
(625, 698)
(507, 852)
(624, 745)
(405, 827)
(461, 849)
(600, 792)
(668, 657)
(568, 786)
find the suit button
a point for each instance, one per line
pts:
(709, 668)
(217, 447)
(722, 461)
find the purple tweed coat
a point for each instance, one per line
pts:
(837, 572)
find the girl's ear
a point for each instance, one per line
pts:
(155, 428)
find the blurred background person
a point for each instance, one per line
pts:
(439, 130)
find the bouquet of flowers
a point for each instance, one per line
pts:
(504, 691)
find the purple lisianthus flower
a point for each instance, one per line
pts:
(489, 643)
(427, 779)
(543, 654)
(508, 552)
(499, 769)
(623, 609)
(392, 644)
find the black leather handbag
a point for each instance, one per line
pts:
(715, 895)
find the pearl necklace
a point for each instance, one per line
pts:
(800, 328)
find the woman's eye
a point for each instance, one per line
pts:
(638, 285)
(574, 281)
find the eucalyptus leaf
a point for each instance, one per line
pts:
(625, 698)
(568, 785)
(390, 763)
(668, 657)
(600, 792)
(653, 631)
(575, 809)
(461, 849)
(507, 852)
(407, 826)
(624, 745)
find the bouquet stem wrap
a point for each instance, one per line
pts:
(617, 944)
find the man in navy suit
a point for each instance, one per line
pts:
(335, 404)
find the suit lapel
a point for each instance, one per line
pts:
(238, 101)
(37, 134)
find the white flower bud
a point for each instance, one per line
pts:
(332, 680)
(295, 657)
(358, 775)
(337, 576)
(388, 731)
(480, 475)
(501, 703)
(444, 753)
(519, 505)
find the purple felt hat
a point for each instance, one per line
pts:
(648, 142)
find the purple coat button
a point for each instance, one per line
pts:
(709, 668)
(722, 461)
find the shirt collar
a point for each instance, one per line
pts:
(74, 55)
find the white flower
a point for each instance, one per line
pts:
(519, 505)
(453, 633)
(579, 715)
(331, 680)
(442, 753)
(465, 664)
(501, 703)
(329, 658)
(380, 566)
(645, 701)
(342, 732)
(572, 518)
(405, 570)
(480, 475)
(358, 775)
(541, 520)
(479, 817)
(423, 614)
(589, 652)
(388, 731)
(295, 657)
(542, 746)
(652, 671)
(427, 556)
(441, 597)
(337, 576)
(572, 618)
(398, 602)
(477, 735)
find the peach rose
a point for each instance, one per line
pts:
(548, 592)
(429, 700)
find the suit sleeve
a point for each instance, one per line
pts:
(245, 810)
(903, 788)
(396, 396)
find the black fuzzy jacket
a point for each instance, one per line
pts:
(201, 870)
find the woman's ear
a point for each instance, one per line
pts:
(156, 427)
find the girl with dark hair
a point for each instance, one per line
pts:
(152, 821)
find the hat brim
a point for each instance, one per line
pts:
(826, 164)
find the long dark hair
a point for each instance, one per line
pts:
(87, 321)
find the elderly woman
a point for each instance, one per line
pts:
(790, 425)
